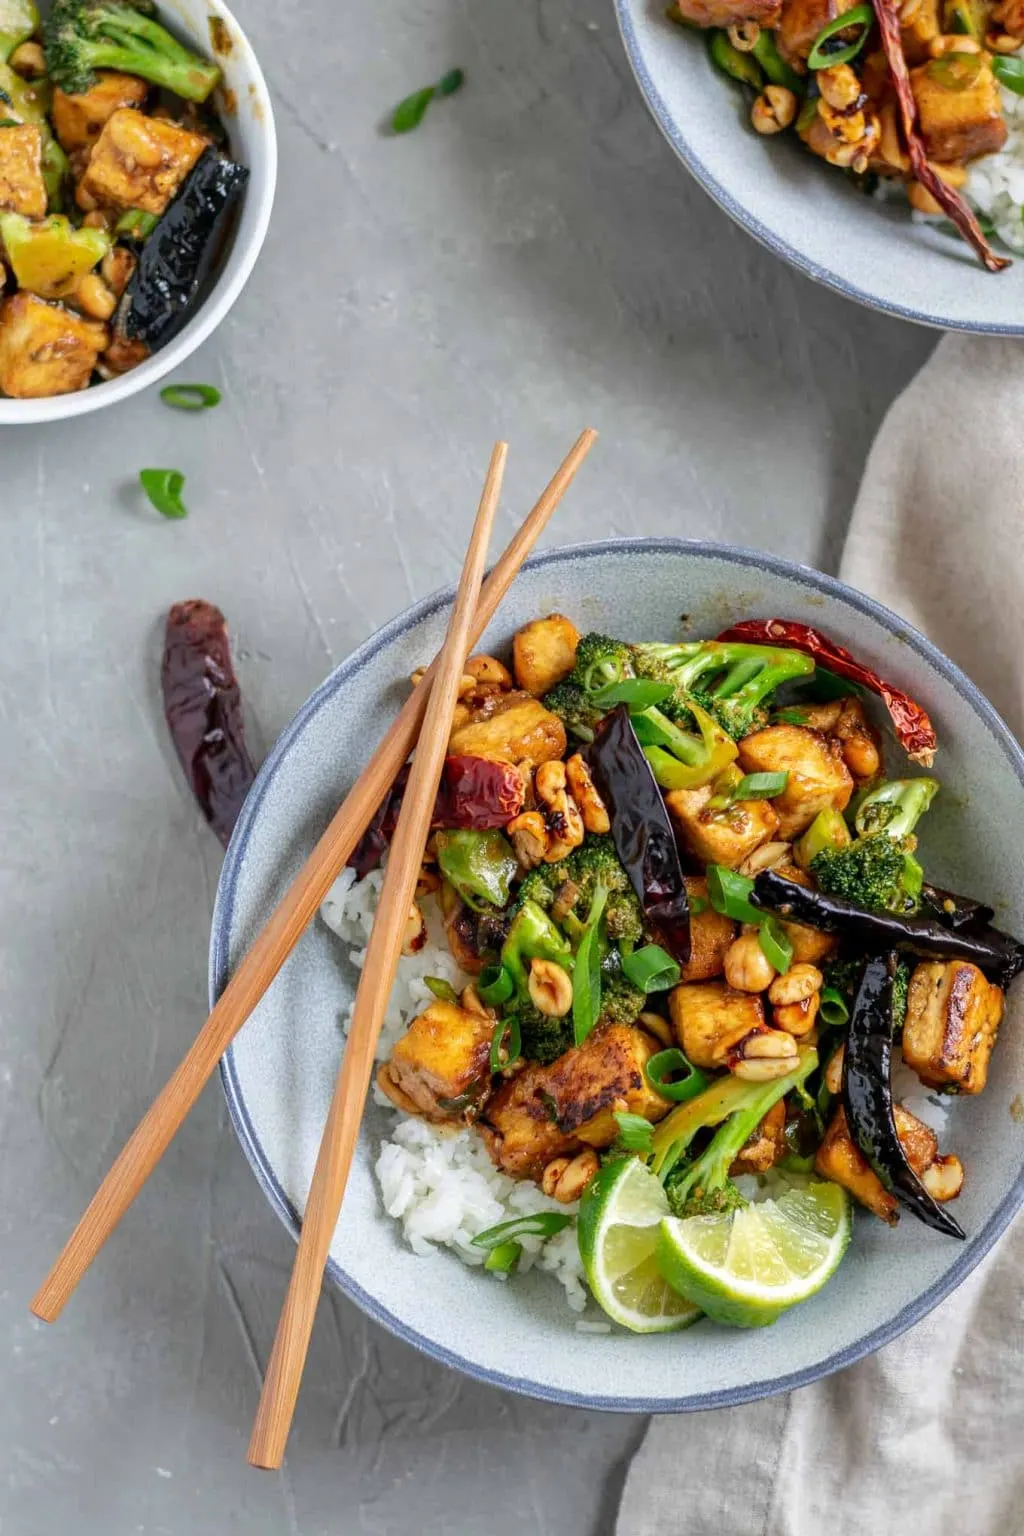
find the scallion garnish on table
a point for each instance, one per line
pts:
(164, 488)
(411, 110)
(190, 397)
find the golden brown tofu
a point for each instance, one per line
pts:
(442, 1064)
(138, 162)
(725, 13)
(709, 1018)
(765, 1145)
(841, 1160)
(710, 934)
(514, 727)
(22, 189)
(45, 349)
(923, 30)
(962, 122)
(818, 777)
(800, 23)
(546, 1112)
(79, 120)
(810, 946)
(846, 722)
(721, 836)
(544, 652)
(953, 1018)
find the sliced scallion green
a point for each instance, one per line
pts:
(833, 1006)
(506, 1043)
(586, 976)
(442, 990)
(539, 1224)
(663, 1073)
(409, 112)
(729, 894)
(495, 985)
(634, 1132)
(823, 57)
(1009, 71)
(190, 397)
(760, 786)
(637, 692)
(775, 946)
(650, 969)
(164, 488)
(453, 81)
(503, 1259)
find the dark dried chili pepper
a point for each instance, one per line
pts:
(475, 792)
(946, 196)
(961, 913)
(867, 1095)
(203, 710)
(641, 830)
(992, 951)
(913, 727)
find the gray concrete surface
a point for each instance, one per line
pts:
(533, 259)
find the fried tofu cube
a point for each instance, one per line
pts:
(725, 13)
(138, 162)
(810, 946)
(799, 24)
(441, 1067)
(721, 836)
(841, 1160)
(513, 727)
(710, 934)
(818, 777)
(953, 1019)
(548, 1112)
(22, 189)
(922, 31)
(961, 122)
(78, 120)
(544, 652)
(45, 349)
(709, 1018)
(765, 1145)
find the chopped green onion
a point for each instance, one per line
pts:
(453, 81)
(729, 894)
(506, 1050)
(808, 112)
(833, 1006)
(775, 946)
(662, 1070)
(759, 786)
(956, 71)
(823, 57)
(697, 906)
(791, 717)
(136, 224)
(540, 1224)
(650, 969)
(442, 990)
(637, 692)
(1009, 71)
(409, 112)
(776, 70)
(495, 985)
(503, 1259)
(634, 1132)
(164, 488)
(586, 981)
(190, 397)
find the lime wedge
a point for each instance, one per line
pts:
(748, 1266)
(620, 1218)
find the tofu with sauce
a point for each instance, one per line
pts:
(953, 1018)
(709, 1018)
(514, 727)
(765, 1145)
(547, 1112)
(841, 1160)
(810, 945)
(45, 349)
(957, 120)
(721, 836)
(710, 934)
(441, 1067)
(800, 22)
(818, 777)
(22, 189)
(726, 13)
(78, 120)
(544, 652)
(138, 162)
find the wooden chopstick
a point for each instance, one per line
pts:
(275, 942)
(323, 1207)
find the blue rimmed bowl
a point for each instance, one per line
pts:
(801, 209)
(279, 1073)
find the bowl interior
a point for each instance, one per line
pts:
(798, 207)
(244, 105)
(279, 1074)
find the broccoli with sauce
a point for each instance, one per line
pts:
(734, 682)
(543, 1039)
(82, 36)
(621, 1002)
(878, 869)
(844, 971)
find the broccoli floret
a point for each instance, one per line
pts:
(573, 706)
(601, 660)
(543, 1039)
(878, 869)
(900, 996)
(596, 860)
(733, 682)
(701, 1203)
(81, 36)
(540, 885)
(621, 1002)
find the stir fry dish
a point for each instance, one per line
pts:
(115, 192)
(908, 93)
(684, 897)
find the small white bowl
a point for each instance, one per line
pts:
(243, 103)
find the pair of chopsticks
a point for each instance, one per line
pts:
(426, 715)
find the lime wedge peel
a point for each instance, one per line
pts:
(620, 1223)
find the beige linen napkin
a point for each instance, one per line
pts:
(925, 1438)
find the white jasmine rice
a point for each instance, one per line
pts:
(995, 183)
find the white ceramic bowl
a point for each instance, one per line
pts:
(279, 1073)
(243, 102)
(798, 207)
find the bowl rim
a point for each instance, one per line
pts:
(258, 197)
(973, 1251)
(773, 242)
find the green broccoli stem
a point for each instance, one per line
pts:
(895, 807)
(178, 71)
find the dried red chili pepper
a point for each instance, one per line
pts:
(946, 196)
(203, 710)
(474, 792)
(913, 727)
